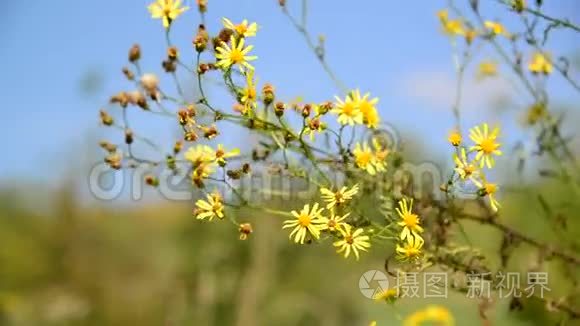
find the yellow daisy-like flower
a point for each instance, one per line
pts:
(352, 242)
(338, 198)
(465, 169)
(210, 208)
(368, 108)
(496, 28)
(541, 63)
(221, 155)
(234, 55)
(487, 69)
(485, 144)
(381, 153)
(450, 27)
(242, 29)
(249, 94)
(348, 111)
(454, 138)
(365, 158)
(388, 295)
(201, 172)
(199, 154)
(167, 10)
(335, 222)
(410, 222)
(432, 314)
(489, 190)
(411, 249)
(308, 221)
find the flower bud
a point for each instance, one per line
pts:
(122, 98)
(324, 108)
(172, 53)
(128, 136)
(169, 66)
(135, 53)
(111, 148)
(202, 5)
(106, 119)
(282, 3)
(151, 180)
(268, 94)
(210, 132)
(190, 136)
(306, 110)
(128, 73)
(177, 147)
(279, 109)
(202, 68)
(245, 230)
(137, 98)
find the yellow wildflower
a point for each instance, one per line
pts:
(249, 95)
(432, 314)
(308, 221)
(221, 155)
(242, 29)
(485, 144)
(410, 222)
(339, 197)
(199, 154)
(541, 63)
(352, 241)
(487, 69)
(201, 172)
(335, 222)
(496, 28)
(364, 158)
(455, 138)
(465, 169)
(368, 108)
(210, 208)
(234, 55)
(489, 190)
(450, 27)
(167, 10)
(411, 249)
(388, 295)
(348, 111)
(535, 113)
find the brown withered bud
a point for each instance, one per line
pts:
(268, 94)
(314, 124)
(282, 3)
(234, 174)
(202, 5)
(128, 73)
(245, 230)
(135, 53)
(169, 66)
(191, 111)
(190, 136)
(279, 109)
(202, 68)
(172, 53)
(183, 117)
(246, 168)
(106, 119)
(201, 39)
(324, 108)
(114, 160)
(128, 136)
(122, 98)
(177, 147)
(210, 132)
(151, 180)
(137, 98)
(306, 109)
(111, 148)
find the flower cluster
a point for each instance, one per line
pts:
(311, 222)
(470, 161)
(410, 235)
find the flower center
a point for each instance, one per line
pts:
(349, 109)
(411, 220)
(236, 56)
(490, 188)
(349, 239)
(339, 198)
(304, 220)
(364, 158)
(331, 224)
(241, 29)
(488, 146)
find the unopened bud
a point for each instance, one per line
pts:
(268, 94)
(128, 136)
(177, 147)
(172, 53)
(279, 109)
(245, 230)
(151, 180)
(128, 73)
(135, 53)
(306, 110)
(106, 119)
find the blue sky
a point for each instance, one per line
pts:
(392, 49)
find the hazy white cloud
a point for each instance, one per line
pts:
(437, 90)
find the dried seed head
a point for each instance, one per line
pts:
(190, 136)
(210, 132)
(151, 180)
(106, 119)
(150, 82)
(245, 230)
(122, 98)
(314, 124)
(128, 136)
(111, 148)
(172, 53)
(135, 53)
(169, 66)
(128, 73)
(324, 108)
(246, 168)
(137, 98)
(202, 5)
(202, 68)
(306, 109)
(282, 3)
